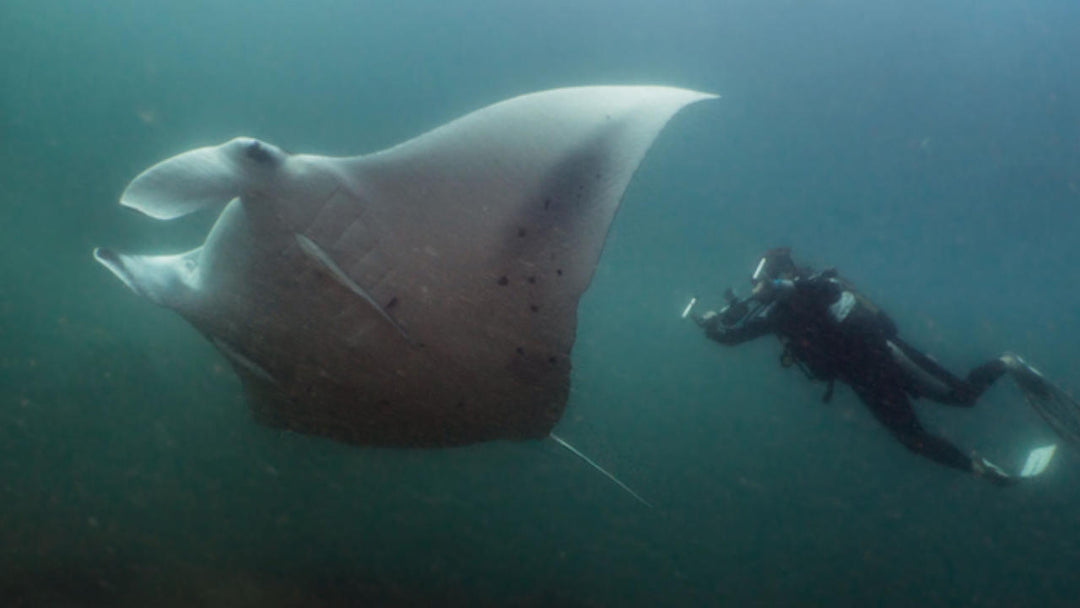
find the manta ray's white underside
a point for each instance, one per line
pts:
(425, 295)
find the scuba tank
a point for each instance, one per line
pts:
(853, 309)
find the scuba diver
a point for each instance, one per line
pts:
(834, 333)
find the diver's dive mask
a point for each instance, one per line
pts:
(775, 264)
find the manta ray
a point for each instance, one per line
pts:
(421, 296)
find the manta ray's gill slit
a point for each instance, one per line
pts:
(236, 357)
(327, 263)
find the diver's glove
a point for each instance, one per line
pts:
(989, 471)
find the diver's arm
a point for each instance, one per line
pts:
(754, 325)
(738, 334)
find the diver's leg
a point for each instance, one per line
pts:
(980, 378)
(892, 408)
(928, 378)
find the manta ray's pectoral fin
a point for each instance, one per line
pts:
(327, 264)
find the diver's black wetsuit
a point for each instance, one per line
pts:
(832, 333)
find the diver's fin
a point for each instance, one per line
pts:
(982, 467)
(1058, 408)
(1038, 460)
(1029, 379)
(593, 464)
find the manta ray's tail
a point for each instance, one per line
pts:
(604, 472)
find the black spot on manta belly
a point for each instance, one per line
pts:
(503, 281)
(521, 231)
